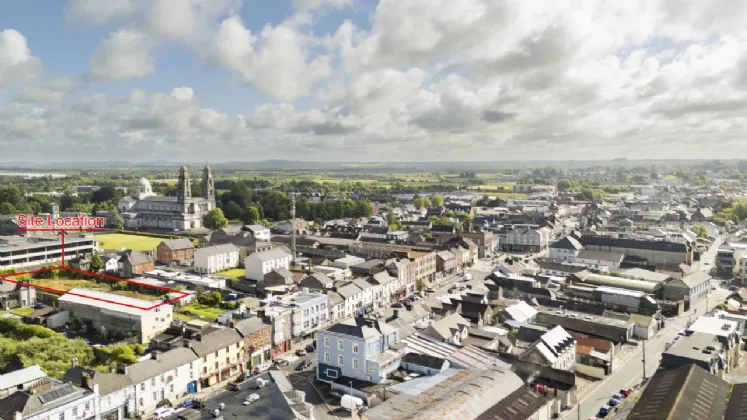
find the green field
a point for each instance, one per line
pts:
(199, 309)
(117, 241)
(235, 272)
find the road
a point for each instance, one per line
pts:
(630, 373)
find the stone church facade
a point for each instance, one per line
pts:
(144, 210)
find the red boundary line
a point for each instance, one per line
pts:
(4, 277)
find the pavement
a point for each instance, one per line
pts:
(630, 373)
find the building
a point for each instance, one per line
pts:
(135, 263)
(281, 320)
(655, 252)
(32, 251)
(703, 350)
(14, 295)
(259, 232)
(452, 329)
(175, 251)
(555, 348)
(600, 260)
(257, 340)
(286, 227)
(446, 263)
(51, 399)
(613, 329)
(166, 376)
(109, 314)
(526, 239)
(357, 348)
(727, 332)
(566, 249)
(222, 354)
(310, 312)
(216, 258)
(143, 209)
(20, 380)
(682, 393)
(261, 263)
(691, 288)
(487, 243)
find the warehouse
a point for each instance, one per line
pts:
(109, 314)
(613, 329)
(601, 280)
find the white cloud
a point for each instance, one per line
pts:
(17, 64)
(311, 5)
(52, 91)
(276, 61)
(125, 54)
(98, 12)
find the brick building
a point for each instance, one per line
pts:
(257, 341)
(175, 251)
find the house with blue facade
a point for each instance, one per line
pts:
(357, 348)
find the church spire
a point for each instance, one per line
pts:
(208, 188)
(184, 187)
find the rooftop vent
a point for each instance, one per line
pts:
(726, 327)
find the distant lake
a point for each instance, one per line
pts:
(32, 174)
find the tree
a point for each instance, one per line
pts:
(250, 216)
(124, 355)
(392, 221)
(96, 262)
(565, 184)
(419, 202)
(700, 230)
(437, 200)
(214, 219)
(7, 208)
(117, 221)
(232, 210)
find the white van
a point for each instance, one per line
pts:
(349, 402)
(467, 276)
(162, 413)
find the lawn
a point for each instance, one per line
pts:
(232, 273)
(199, 309)
(68, 284)
(117, 241)
(22, 311)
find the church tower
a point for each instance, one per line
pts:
(208, 189)
(184, 188)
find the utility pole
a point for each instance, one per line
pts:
(293, 227)
(644, 361)
(578, 411)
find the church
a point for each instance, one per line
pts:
(144, 210)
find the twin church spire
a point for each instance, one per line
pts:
(184, 186)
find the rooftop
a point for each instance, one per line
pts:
(695, 347)
(22, 376)
(518, 405)
(112, 302)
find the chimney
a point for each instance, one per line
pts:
(396, 314)
(156, 355)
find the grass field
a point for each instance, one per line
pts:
(69, 284)
(117, 241)
(236, 272)
(199, 309)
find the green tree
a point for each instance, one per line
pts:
(565, 184)
(117, 221)
(392, 221)
(96, 262)
(232, 210)
(123, 354)
(214, 219)
(7, 208)
(419, 202)
(700, 230)
(437, 200)
(250, 216)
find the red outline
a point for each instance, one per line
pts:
(63, 267)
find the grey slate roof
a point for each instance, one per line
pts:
(357, 327)
(568, 242)
(518, 405)
(348, 290)
(177, 244)
(271, 254)
(30, 404)
(219, 339)
(250, 326)
(217, 250)
(169, 360)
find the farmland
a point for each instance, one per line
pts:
(118, 241)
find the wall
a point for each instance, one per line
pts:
(591, 371)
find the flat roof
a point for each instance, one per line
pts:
(586, 317)
(86, 300)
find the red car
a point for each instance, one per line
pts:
(626, 391)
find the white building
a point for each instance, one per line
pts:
(555, 348)
(259, 232)
(51, 400)
(109, 313)
(310, 312)
(566, 249)
(26, 251)
(168, 376)
(260, 263)
(216, 258)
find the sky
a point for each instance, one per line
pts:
(367, 80)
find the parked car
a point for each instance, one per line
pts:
(282, 363)
(261, 368)
(613, 402)
(604, 410)
(626, 391)
(397, 305)
(162, 413)
(251, 398)
(303, 365)
(310, 348)
(301, 352)
(430, 290)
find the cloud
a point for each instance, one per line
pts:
(125, 54)
(98, 12)
(53, 91)
(311, 5)
(17, 64)
(276, 61)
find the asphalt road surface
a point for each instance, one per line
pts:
(631, 371)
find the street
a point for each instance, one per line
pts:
(630, 373)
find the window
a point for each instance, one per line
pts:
(216, 365)
(326, 341)
(171, 388)
(140, 402)
(155, 396)
(163, 378)
(204, 359)
(332, 374)
(340, 345)
(88, 404)
(228, 360)
(204, 370)
(142, 386)
(355, 348)
(372, 368)
(355, 364)
(153, 382)
(75, 411)
(340, 360)
(216, 354)
(326, 357)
